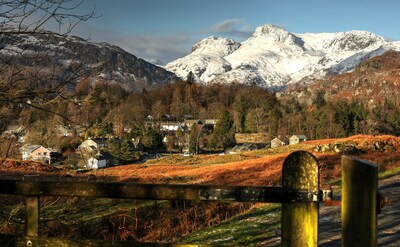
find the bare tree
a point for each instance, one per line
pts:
(29, 79)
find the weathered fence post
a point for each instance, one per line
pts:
(32, 216)
(300, 219)
(359, 189)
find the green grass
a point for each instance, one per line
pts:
(249, 229)
(254, 227)
(389, 173)
(381, 175)
(94, 210)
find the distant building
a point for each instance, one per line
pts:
(63, 130)
(99, 160)
(15, 131)
(168, 118)
(170, 126)
(37, 153)
(277, 142)
(93, 144)
(210, 121)
(294, 139)
(189, 123)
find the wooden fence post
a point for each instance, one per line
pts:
(32, 216)
(299, 224)
(359, 189)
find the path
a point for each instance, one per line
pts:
(388, 220)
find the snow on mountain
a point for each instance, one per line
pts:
(273, 57)
(206, 60)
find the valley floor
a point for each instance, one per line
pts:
(259, 167)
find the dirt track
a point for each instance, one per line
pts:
(388, 220)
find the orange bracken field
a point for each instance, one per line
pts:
(259, 167)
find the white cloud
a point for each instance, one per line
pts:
(232, 27)
(164, 48)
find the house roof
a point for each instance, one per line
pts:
(281, 138)
(100, 140)
(300, 136)
(210, 121)
(29, 148)
(192, 121)
(102, 155)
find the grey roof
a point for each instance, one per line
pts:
(29, 148)
(301, 136)
(102, 155)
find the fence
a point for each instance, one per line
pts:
(300, 196)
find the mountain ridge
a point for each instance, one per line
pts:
(100, 61)
(274, 58)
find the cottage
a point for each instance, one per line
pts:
(100, 160)
(93, 144)
(276, 142)
(36, 153)
(294, 139)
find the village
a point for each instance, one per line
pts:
(95, 152)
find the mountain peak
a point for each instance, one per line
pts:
(268, 29)
(277, 34)
(212, 44)
(354, 40)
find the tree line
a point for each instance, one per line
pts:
(108, 109)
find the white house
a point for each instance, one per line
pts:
(276, 142)
(93, 144)
(294, 139)
(96, 162)
(99, 160)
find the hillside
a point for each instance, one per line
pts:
(261, 167)
(373, 81)
(60, 54)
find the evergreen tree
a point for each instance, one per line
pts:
(153, 139)
(121, 150)
(241, 106)
(224, 133)
(319, 100)
(194, 136)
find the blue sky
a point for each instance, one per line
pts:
(167, 29)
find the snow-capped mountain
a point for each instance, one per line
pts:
(273, 57)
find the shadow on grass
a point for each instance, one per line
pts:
(261, 225)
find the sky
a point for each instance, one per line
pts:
(165, 30)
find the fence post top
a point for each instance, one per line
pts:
(347, 158)
(300, 170)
